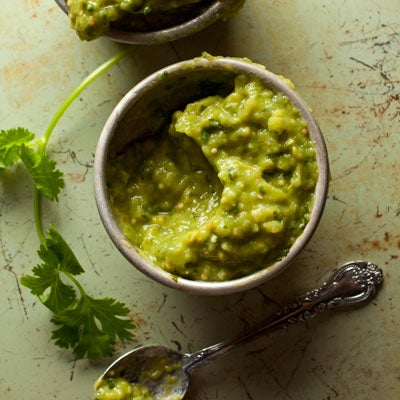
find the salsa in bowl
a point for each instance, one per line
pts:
(144, 21)
(211, 175)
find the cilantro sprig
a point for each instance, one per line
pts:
(88, 326)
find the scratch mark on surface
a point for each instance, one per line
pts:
(88, 255)
(271, 372)
(174, 49)
(303, 352)
(397, 212)
(71, 376)
(248, 395)
(246, 323)
(351, 169)
(335, 198)
(344, 210)
(384, 106)
(177, 344)
(348, 356)
(333, 390)
(177, 328)
(362, 40)
(4, 250)
(75, 160)
(267, 299)
(362, 63)
(21, 298)
(163, 302)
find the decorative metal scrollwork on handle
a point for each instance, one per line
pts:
(353, 283)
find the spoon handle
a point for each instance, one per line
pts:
(353, 283)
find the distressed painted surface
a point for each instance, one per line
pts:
(344, 58)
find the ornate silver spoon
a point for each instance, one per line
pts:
(354, 283)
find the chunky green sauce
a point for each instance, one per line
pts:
(224, 191)
(120, 389)
(92, 18)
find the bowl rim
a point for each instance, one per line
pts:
(214, 11)
(128, 250)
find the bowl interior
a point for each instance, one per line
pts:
(157, 100)
(148, 106)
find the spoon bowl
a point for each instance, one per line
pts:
(139, 365)
(355, 282)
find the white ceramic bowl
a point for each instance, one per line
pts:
(139, 29)
(173, 87)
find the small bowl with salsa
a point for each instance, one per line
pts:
(211, 175)
(145, 21)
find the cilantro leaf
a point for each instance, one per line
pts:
(11, 141)
(89, 326)
(92, 326)
(58, 247)
(48, 180)
(46, 282)
(48, 286)
(14, 147)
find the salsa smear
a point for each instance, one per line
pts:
(222, 192)
(120, 389)
(91, 18)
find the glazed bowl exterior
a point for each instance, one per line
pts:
(176, 25)
(173, 87)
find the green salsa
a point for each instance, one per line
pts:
(92, 18)
(221, 192)
(120, 389)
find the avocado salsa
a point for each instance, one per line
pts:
(120, 389)
(224, 190)
(92, 18)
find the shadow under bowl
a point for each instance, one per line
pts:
(143, 112)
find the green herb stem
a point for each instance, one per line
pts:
(36, 216)
(76, 283)
(60, 112)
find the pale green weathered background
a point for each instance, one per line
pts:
(344, 57)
